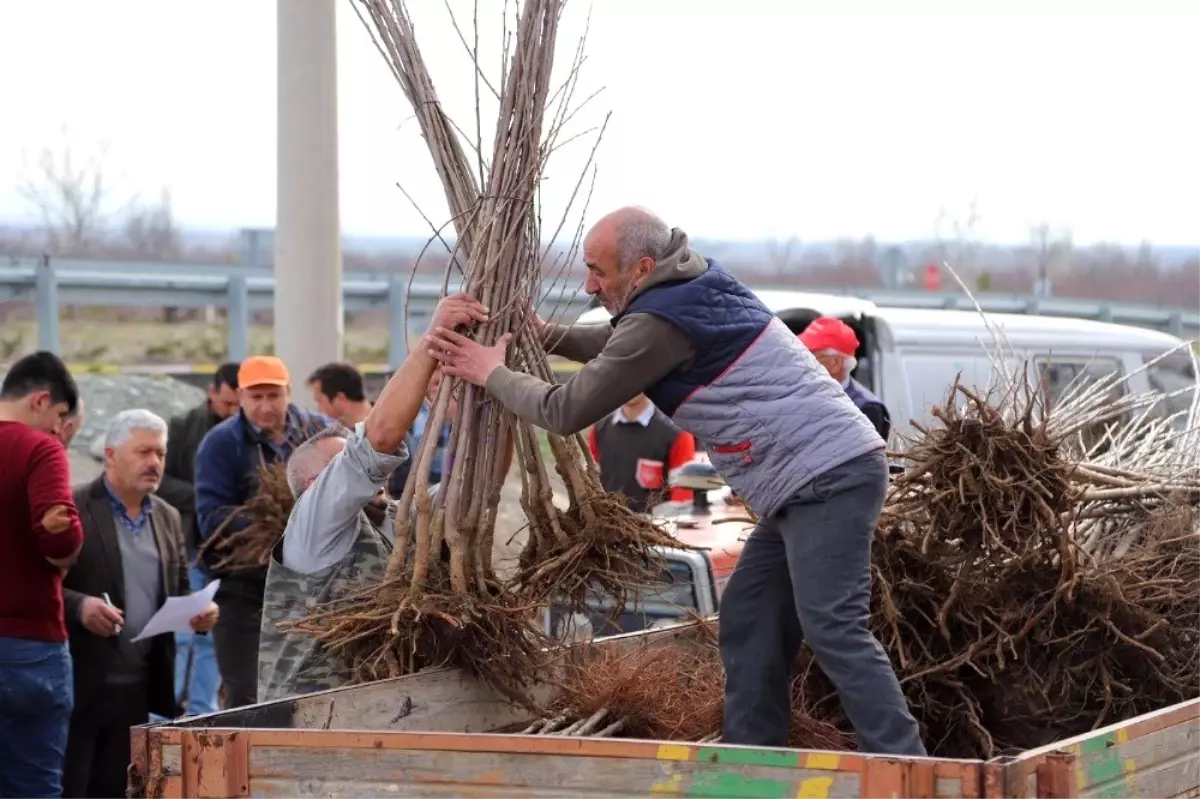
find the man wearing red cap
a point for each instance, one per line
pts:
(833, 343)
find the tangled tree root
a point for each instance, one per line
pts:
(1003, 631)
(267, 512)
(671, 692)
(607, 551)
(388, 630)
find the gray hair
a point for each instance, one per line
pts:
(850, 361)
(306, 461)
(643, 235)
(120, 427)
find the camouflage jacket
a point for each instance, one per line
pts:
(290, 664)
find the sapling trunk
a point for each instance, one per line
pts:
(460, 612)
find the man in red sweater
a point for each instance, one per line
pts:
(40, 536)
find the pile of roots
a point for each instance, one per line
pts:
(434, 610)
(1010, 621)
(1005, 631)
(671, 692)
(264, 516)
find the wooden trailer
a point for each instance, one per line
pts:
(434, 735)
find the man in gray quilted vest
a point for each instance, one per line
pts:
(779, 429)
(331, 545)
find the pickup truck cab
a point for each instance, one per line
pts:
(910, 359)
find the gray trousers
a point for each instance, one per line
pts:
(805, 575)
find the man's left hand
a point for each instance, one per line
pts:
(458, 310)
(56, 520)
(463, 358)
(206, 620)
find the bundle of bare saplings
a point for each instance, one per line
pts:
(429, 611)
(1034, 578)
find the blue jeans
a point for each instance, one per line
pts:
(37, 694)
(206, 680)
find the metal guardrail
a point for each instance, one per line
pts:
(1176, 321)
(48, 283)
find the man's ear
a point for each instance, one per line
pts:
(644, 267)
(38, 401)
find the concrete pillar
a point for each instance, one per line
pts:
(46, 303)
(308, 251)
(238, 319)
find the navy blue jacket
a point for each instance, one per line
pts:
(871, 406)
(227, 467)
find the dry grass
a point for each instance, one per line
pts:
(110, 343)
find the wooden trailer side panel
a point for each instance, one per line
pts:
(311, 763)
(1155, 755)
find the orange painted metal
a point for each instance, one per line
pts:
(139, 760)
(922, 782)
(995, 782)
(1056, 776)
(910, 779)
(967, 772)
(216, 765)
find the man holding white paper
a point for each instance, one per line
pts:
(133, 559)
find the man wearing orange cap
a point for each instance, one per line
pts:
(266, 429)
(834, 343)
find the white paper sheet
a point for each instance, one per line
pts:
(173, 617)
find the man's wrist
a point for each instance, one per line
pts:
(423, 353)
(494, 374)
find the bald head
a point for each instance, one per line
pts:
(310, 458)
(632, 233)
(620, 251)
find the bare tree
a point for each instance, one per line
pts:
(70, 193)
(151, 232)
(1052, 251)
(964, 253)
(782, 254)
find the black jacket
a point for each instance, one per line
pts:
(98, 570)
(178, 485)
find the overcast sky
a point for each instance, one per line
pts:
(744, 120)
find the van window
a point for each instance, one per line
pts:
(930, 376)
(1175, 373)
(1058, 373)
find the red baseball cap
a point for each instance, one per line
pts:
(827, 333)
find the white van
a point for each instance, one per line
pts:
(910, 357)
